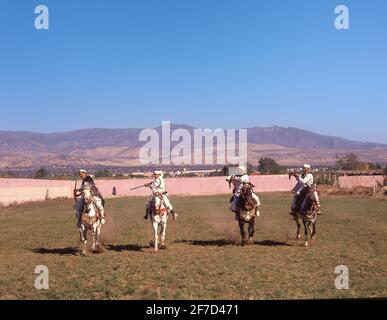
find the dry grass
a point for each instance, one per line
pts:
(202, 260)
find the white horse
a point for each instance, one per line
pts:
(159, 218)
(92, 219)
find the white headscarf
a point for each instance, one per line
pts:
(158, 172)
(242, 170)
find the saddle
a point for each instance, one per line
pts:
(246, 200)
(301, 197)
(156, 211)
(86, 219)
(305, 201)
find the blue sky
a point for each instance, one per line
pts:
(207, 63)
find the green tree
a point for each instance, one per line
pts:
(41, 173)
(375, 166)
(249, 168)
(103, 174)
(269, 166)
(350, 161)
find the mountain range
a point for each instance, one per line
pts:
(120, 147)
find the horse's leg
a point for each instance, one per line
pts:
(310, 228)
(252, 227)
(242, 230)
(306, 232)
(155, 231)
(314, 229)
(96, 232)
(99, 247)
(94, 236)
(298, 236)
(163, 230)
(83, 232)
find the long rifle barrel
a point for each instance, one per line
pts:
(138, 187)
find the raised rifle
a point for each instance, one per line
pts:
(293, 173)
(138, 187)
(75, 191)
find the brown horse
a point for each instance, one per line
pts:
(247, 211)
(307, 212)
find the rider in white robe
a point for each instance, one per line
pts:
(306, 180)
(87, 181)
(159, 193)
(237, 182)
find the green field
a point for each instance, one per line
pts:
(202, 259)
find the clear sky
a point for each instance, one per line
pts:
(207, 63)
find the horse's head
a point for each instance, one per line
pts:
(246, 190)
(87, 194)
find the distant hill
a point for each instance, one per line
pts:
(120, 146)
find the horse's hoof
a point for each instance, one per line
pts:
(155, 250)
(298, 237)
(163, 247)
(306, 244)
(83, 253)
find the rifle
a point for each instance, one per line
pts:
(75, 191)
(138, 187)
(293, 173)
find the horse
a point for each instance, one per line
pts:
(159, 219)
(91, 219)
(246, 213)
(307, 211)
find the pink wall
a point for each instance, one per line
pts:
(31, 189)
(195, 186)
(20, 190)
(359, 181)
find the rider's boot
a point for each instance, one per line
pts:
(174, 214)
(147, 213)
(257, 213)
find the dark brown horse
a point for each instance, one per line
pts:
(247, 211)
(307, 212)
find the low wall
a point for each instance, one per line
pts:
(351, 182)
(21, 190)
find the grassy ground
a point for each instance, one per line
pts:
(201, 261)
